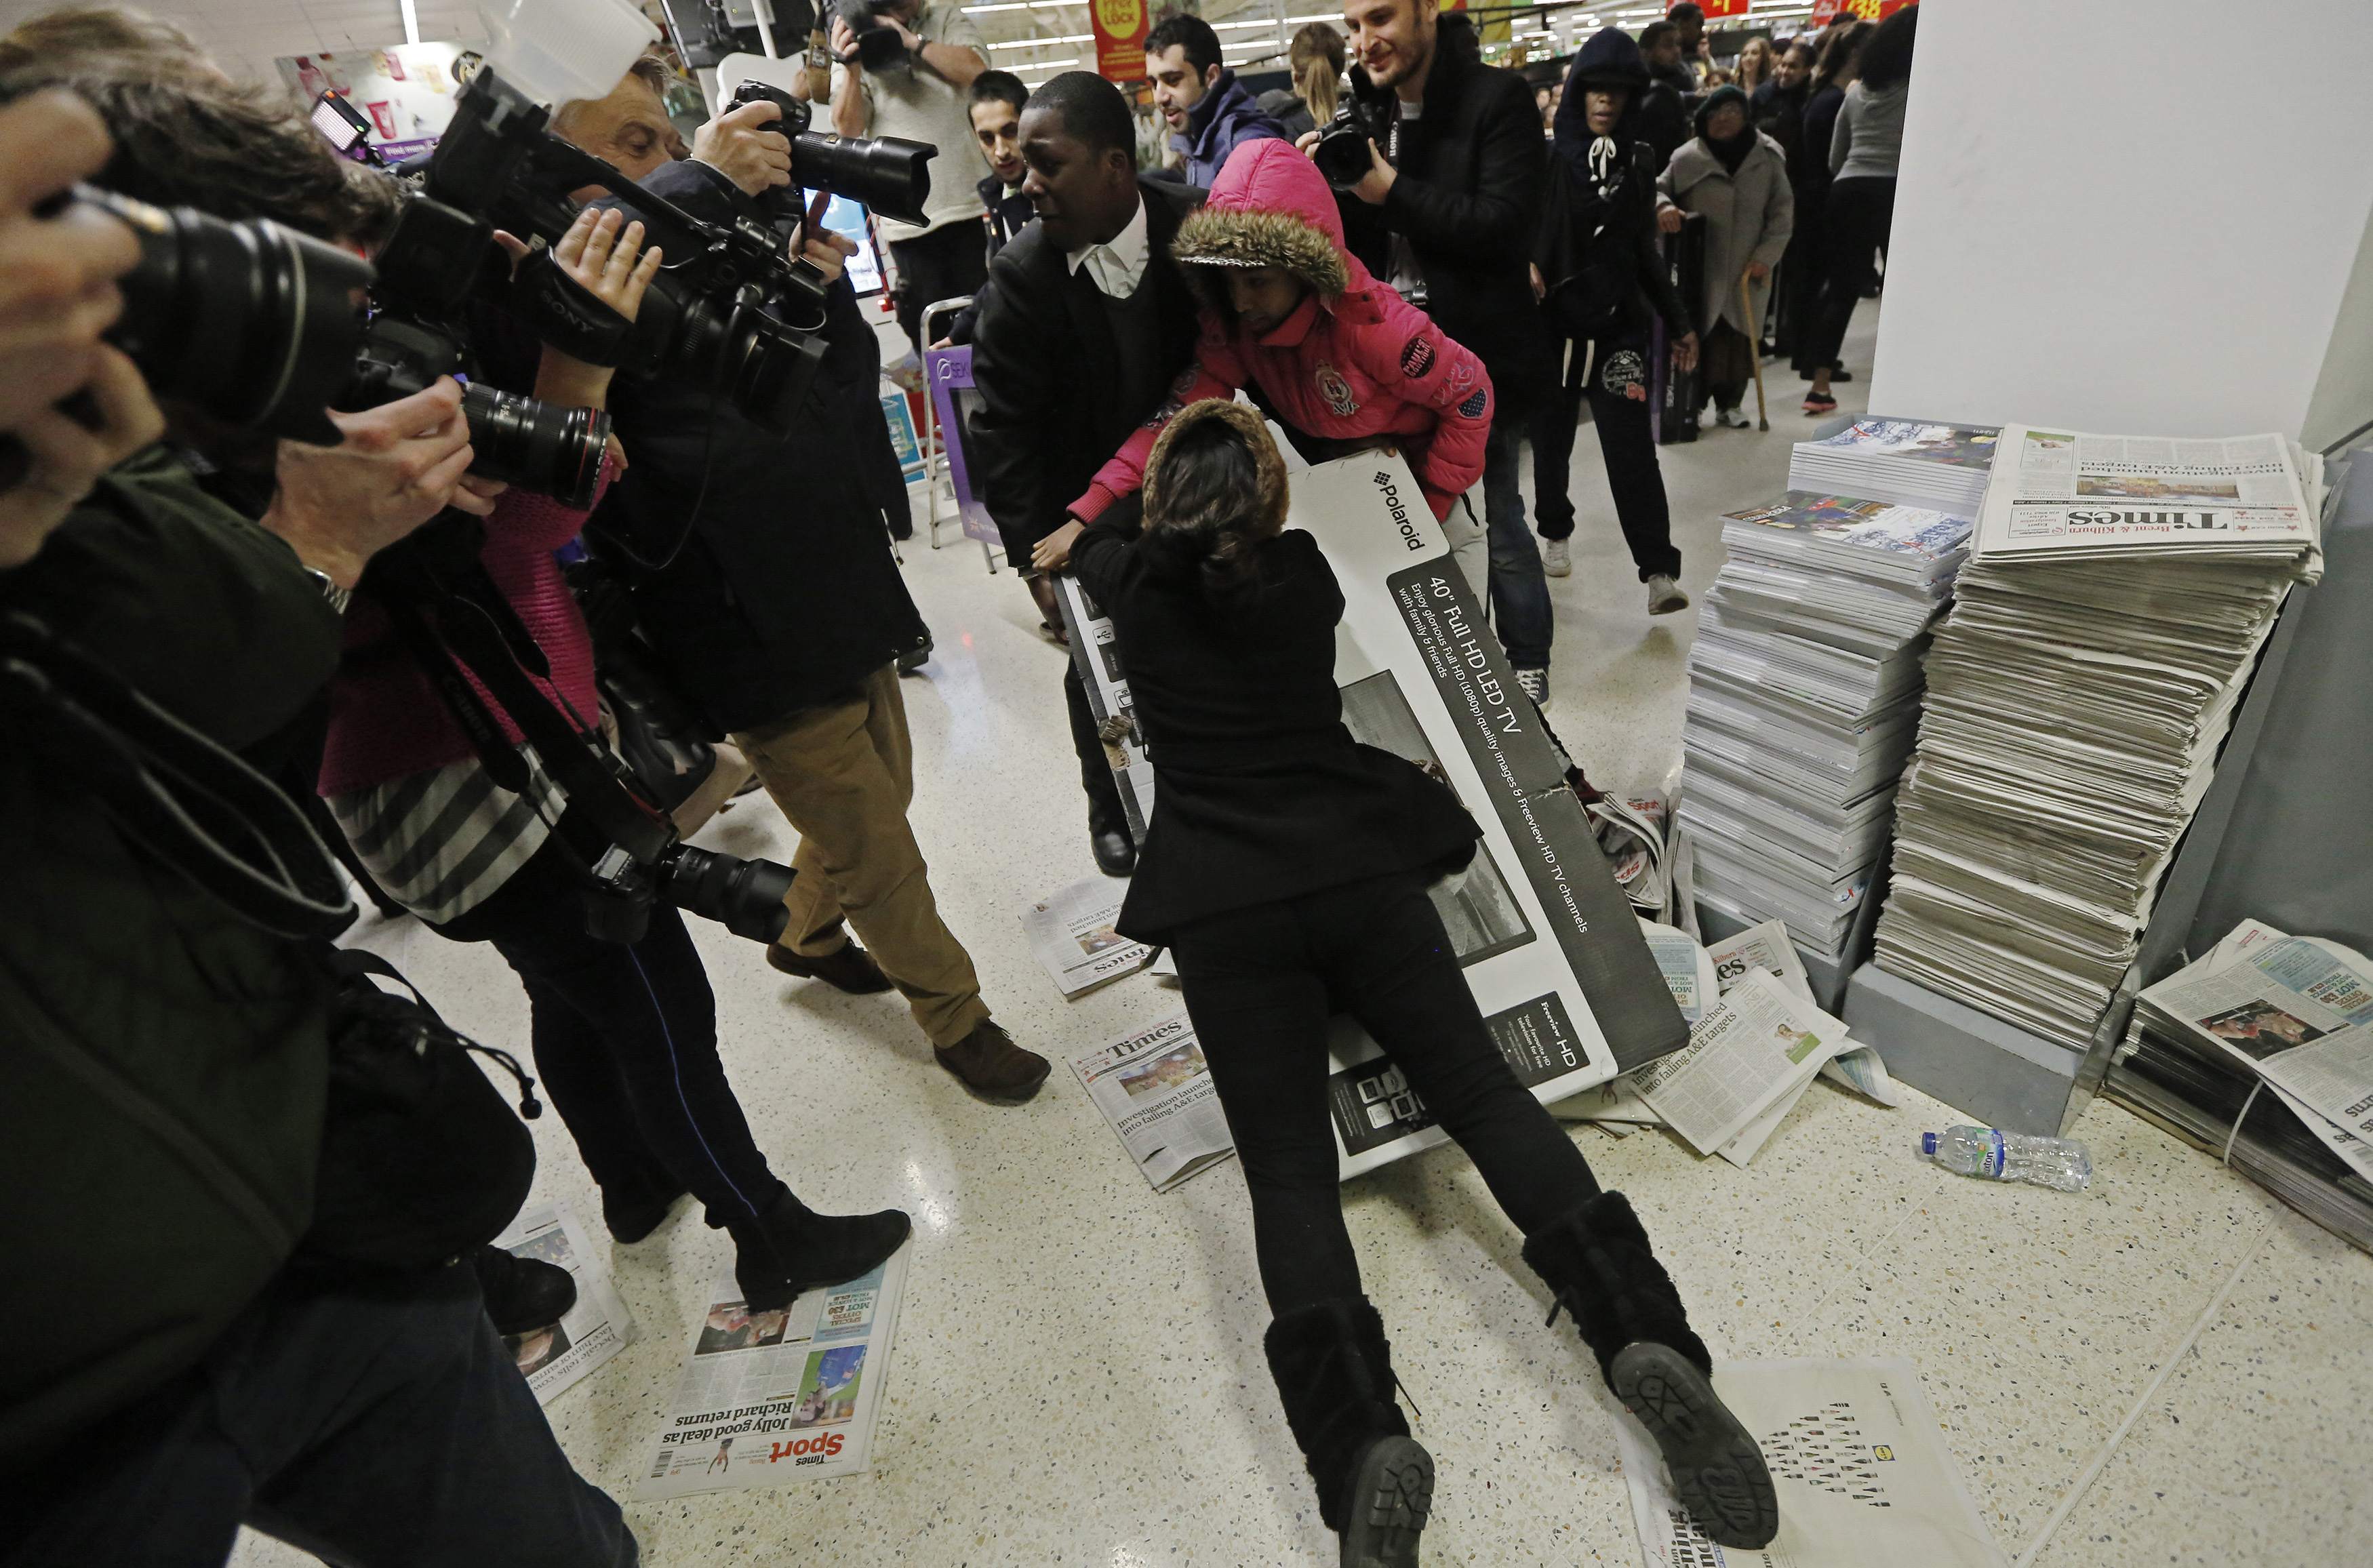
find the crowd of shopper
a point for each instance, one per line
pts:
(1491, 265)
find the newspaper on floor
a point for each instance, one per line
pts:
(597, 1327)
(2296, 1011)
(1756, 1046)
(1153, 1087)
(770, 1396)
(1767, 947)
(1859, 1462)
(1071, 935)
(1687, 970)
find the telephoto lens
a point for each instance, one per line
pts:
(535, 445)
(745, 896)
(253, 323)
(889, 174)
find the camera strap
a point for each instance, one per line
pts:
(566, 314)
(191, 802)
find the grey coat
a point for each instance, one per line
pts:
(1748, 215)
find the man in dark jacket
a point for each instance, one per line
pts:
(994, 101)
(1207, 111)
(760, 571)
(1664, 109)
(1447, 215)
(1088, 325)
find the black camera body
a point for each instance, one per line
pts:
(1341, 153)
(889, 174)
(745, 896)
(878, 48)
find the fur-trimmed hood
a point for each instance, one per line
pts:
(1270, 207)
(1269, 464)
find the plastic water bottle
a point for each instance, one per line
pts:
(2058, 1163)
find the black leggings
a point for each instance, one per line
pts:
(1261, 983)
(1627, 443)
(1858, 214)
(625, 1042)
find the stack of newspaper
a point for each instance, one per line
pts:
(1803, 699)
(2117, 595)
(1909, 461)
(2263, 1052)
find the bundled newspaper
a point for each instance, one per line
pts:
(556, 1359)
(1805, 686)
(768, 1397)
(1858, 1460)
(1071, 935)
(1155, 1088)
(2263, 1052)
(2117, 596)
(1910, 461)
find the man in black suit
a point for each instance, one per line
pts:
(1086, 327)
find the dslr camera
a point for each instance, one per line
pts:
(889, 174)
(1342, 151)
(878, 47)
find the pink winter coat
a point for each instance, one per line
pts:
(1354, 360)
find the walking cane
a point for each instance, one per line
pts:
(1754, 349)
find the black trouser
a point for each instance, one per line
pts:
(1628, 442)
(947, 263)
(625, 1042)
(1105, 813)
(1261, 983)
(380, 1427)
(1858, 214)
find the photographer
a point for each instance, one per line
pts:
(760, 571)
(1445, 211)
(162, 1095)
(916, 91)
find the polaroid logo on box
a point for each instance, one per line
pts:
(808, 1450)
(1390, 494)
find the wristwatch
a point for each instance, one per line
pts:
(338, 598)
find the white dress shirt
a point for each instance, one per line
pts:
(1118, 265)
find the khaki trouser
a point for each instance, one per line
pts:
(843, 773)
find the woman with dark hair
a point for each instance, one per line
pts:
(1865, 146)
(1603, 284)
(1286, 866)
(1837, 54)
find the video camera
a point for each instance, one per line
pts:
(877, 47)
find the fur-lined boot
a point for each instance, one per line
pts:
(1334, 1373)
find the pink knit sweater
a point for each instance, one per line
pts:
(386, 721)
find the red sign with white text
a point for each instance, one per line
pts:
(1715, 10)
(1120, 28)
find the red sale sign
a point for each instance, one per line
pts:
(1120, 28)
(1716, 10)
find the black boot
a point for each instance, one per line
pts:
(790, 1247)
(523, 1294)
(1597, 1262)
(1334, 1373)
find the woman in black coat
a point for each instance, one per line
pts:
(1601, 272)
(1286, 866)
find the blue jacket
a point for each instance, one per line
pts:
(1226, 116)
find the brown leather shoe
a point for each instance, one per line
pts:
(991, 1065)
(846, 968)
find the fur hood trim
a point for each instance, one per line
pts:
(1269, 464)
(1218, 237)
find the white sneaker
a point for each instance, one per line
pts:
(1534, 683)
(1730, 419)
(1665, 596)
(1556, 559)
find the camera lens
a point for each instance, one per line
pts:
(255, 325)
(891, 175)
(745, 896)
(535, 445)
(1341, 153)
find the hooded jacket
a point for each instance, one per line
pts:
(1600, 257)
(1224, 118)
(1353, 361)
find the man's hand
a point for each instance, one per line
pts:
(1668, 218)
(1053, 554)
(602, 254)
(1379, 178)
(842, 38)
(906, 34)
(1306, 143)
(57, 274)
(400, 464)
(819, 247)
(66, 456)
(1756, 272)
(1685, 353)
(738, 145)
(1540, 284)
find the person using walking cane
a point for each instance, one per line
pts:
(1739, 177)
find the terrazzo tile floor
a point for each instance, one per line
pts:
(2169, 1368)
